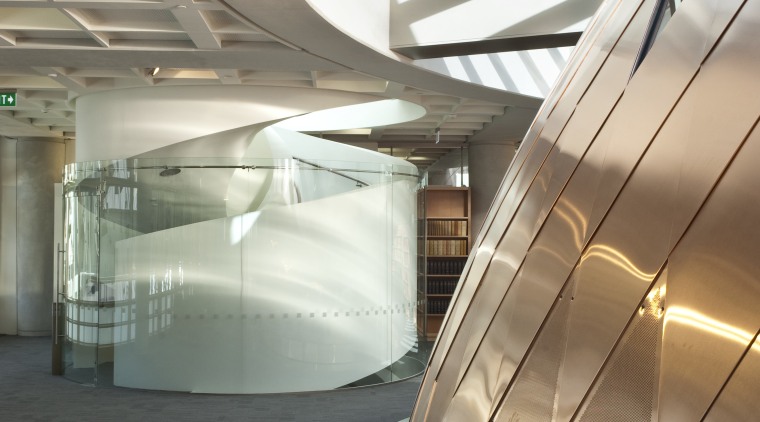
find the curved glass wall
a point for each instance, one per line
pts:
(240, 275)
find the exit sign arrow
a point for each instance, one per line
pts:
(7, 99)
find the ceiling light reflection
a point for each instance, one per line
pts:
(578, 228)
(692, 318)
(615, 257)
(552, 253)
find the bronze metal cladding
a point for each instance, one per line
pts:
(617, 395)
(738, 401)
(531, 158)
(558, 165)
(616, 276)
(488, 255)
(591, 66)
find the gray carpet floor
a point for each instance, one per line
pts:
(28, 392)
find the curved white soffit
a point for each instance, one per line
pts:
(366, 21)
(316, 32)
(127, 122)
(376, 113)
(286, 143)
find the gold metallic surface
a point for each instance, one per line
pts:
(529, 160)
(738, 401)
(484, 253)
(535, 387)
(618, 395)
(713, 292)
(532, 294)
(565, 302)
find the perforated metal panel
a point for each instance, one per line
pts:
(626, 389)
(532, 396)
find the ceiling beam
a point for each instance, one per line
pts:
(27, 123)
(108, 4)
(228, 76)
(58, 75)
(501, 45)
(142, 75)
(419, 145)
(81, 22)
(197, 28)
(6, 39)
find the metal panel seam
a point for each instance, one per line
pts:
(596, 229)
(617, 341)
(730, 375)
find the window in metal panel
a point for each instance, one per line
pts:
(661, 15)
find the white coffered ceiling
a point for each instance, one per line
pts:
(52, 51)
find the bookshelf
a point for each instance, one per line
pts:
(443, 246)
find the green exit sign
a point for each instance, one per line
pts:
(7, 99)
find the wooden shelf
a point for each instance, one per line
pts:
(444, 213)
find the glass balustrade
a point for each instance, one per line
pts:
(222, 275)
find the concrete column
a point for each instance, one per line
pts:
(39, 165)
(8, 322)
(488, 163)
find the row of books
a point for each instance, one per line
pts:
(438, 305)
(447, 228)
(447, 247)
(442, 267)
(441, 287)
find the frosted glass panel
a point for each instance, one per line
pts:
(305, 283)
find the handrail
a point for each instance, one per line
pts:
(254, 167)
(359, 183)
